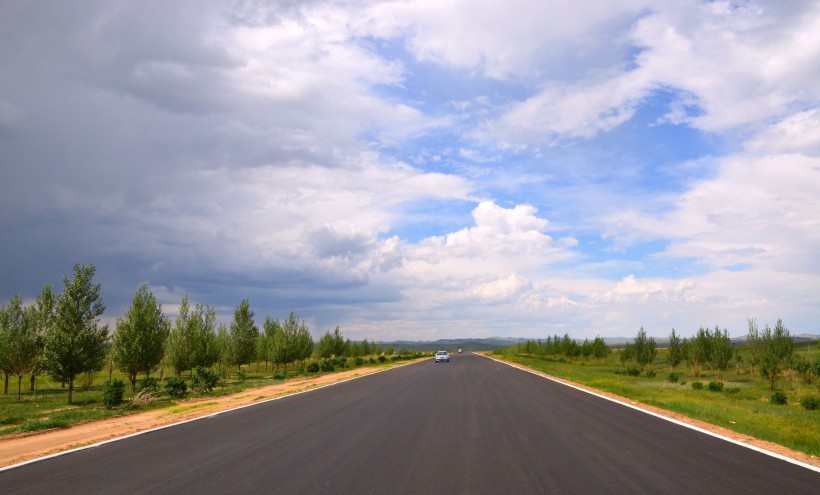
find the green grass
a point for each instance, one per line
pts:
(746, 411)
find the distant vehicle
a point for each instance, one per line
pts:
(459, 350)
(442, 356)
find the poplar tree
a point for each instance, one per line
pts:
(19, 341)
(674, 352)
(76, 343)
(43, 321)
(243, 334)
(776, 349)
(139, 341)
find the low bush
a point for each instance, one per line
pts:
(113, 393)
(313, 368)
(673, 378)
(732, 390)
(280, 375)
(359, 361)
(697, 386)
(650, 374)
(242, 375)
(715, 386)
(810, 403)
(779, 398)
(382, 358)
(327, 365)
(204, 380)
(176, 387)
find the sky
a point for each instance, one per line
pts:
(420, 169)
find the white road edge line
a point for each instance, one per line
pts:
(78, 449)
(671, 420)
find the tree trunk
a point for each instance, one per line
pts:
(33, 379)
(70, 390)
(6, 388)
(132, 377)
(19, 383)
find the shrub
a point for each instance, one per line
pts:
(697, 386)
(114, 391)
(148, 383)
(279, 376)
(359, 361)
(732, 390)
(176, 387)
(715, 386)
(650, 374)
(382, 358)
(779, 398)
(313, 368)
(673, 378)
(204, 380)
(633, 371)
(810, 403)
(371, 359)
(242, 375)
(327, 365)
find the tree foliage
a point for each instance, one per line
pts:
(243, 335)
(139, 340)
(331, 344)
(76, 343)
(642, 349)
(18, 341)
(776, 349)
(675, 351)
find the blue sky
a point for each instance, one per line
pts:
(420, 169)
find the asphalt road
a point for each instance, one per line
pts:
(469, 426)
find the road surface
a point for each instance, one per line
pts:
(469, 426)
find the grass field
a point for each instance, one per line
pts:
(743, 405)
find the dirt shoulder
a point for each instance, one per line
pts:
(725, 432)
(15, 449)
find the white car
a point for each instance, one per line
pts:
(442, 356)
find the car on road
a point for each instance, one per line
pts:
(442, 356)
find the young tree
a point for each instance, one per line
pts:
(179, 344)
(243, 334)
(202, 334)
(139, 340)
(721, 350)
(776, 349)
(644, 349)
(76, 343)
(303, 344)
(19, 341)
(697, 351)
(223, 345)
(599, 348)
(674, 353)
(753, 344)
(331, 344)
(44, 320)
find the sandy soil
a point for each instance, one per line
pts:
(23, 447)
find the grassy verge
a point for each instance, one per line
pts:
(743, 405)
(47, 407)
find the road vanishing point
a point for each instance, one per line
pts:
(472, 426)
